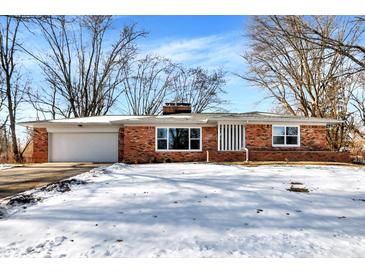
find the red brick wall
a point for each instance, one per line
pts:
(139, 147)
(227, 156)
(259, 137)
(314, 137)
(40, 145)
(138, 144)
(292, 156)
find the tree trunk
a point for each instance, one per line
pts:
(12, 121)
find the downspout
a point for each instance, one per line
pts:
(246, 150)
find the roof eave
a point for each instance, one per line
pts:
(279, 120)
(167, 121)
(171, 120)
(50, 124)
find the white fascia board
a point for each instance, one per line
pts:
(293, 122)
(70, 129)
(166, 122)
(280, 121)
(65, 124)
(115, 124)
(171, 125)
(31, 124)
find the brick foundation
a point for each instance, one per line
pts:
(40, 145)
(296, 156)
(227, 156)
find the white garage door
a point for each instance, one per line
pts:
(84, 147)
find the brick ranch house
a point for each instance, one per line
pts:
(179, 135)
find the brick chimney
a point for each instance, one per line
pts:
(174, 108)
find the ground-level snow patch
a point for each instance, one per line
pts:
(194, 210)
(5, 166)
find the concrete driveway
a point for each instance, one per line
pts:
(19, 179)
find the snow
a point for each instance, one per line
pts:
(194, 210)
(5, 166)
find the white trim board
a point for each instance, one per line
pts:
(81, 129)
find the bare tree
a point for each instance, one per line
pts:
(14, 85)
(347, 41)
(344, 41)
(199, 87)
(358, 103)
(83, 69)
(304, 78)
(3, 113)
(147, 84)
(152, 81)
(3, 123)
(3, 145)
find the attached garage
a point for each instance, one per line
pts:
(83, 146)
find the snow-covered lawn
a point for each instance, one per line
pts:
(5, 166)
(194, 210)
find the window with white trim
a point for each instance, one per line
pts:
(178, 139)
(285, 136)
(231, 136)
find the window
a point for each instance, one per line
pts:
(285, 136)
(178, 139)
(195, 138)
(162, 138)
(231, 137)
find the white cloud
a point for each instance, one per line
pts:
(212, 51)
